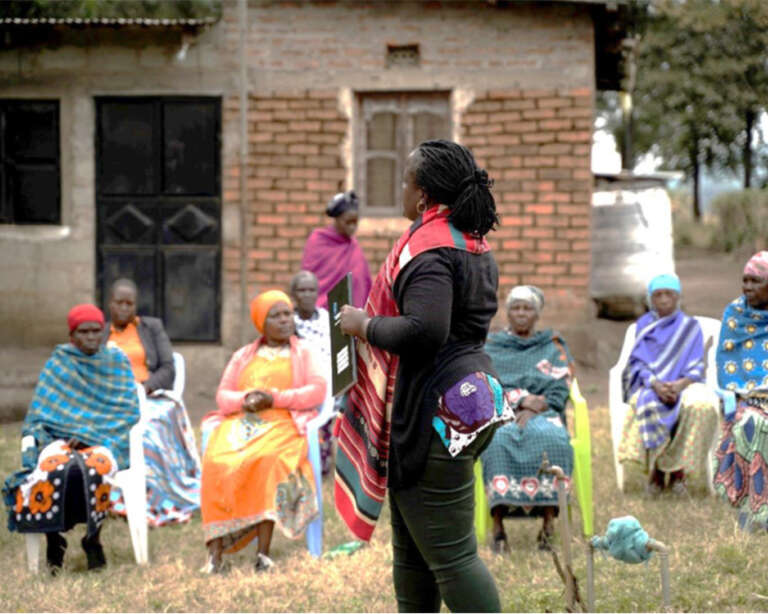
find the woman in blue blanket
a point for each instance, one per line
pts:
(742, 370)
(535, 370)
(673, 416)
(75, 437)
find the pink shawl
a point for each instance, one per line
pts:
(330, 256)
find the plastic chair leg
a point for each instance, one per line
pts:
(134, 494)
(34, 545)
(315, 529)
(482, 512)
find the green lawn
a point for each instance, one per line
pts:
(714, 566)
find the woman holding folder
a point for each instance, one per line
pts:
(427, 399)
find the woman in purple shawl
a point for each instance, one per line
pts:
(332, 252)
(674, 417)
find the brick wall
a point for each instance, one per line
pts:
(294, 167)
(536, 145)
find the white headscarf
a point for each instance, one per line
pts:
(529, 294)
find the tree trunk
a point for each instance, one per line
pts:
(749, 123)
(696, 188)
(628, 153)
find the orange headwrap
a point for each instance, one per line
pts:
(261, 305)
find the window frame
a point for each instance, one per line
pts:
(7, 213)
(405, 104)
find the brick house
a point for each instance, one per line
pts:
(197, 155)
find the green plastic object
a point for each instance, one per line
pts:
(582, 472)
(345, 548)
(582, 459)
(482, 513)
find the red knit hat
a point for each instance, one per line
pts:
(84, 313)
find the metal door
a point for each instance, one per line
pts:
(158, 200)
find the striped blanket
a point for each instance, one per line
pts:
(90, 398)
(363, 430)
(666, 349)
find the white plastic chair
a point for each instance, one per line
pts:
(131, 481)
(618, 408)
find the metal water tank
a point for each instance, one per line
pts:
(631, 241)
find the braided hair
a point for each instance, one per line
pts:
(449, 175)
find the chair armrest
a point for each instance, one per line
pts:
(327, 412)
(28, 441)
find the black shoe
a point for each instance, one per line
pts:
(94, 553)
(54, 552)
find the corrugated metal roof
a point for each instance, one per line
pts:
(106, 21)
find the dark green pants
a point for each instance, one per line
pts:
(433, 537)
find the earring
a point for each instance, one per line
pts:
(421, 207)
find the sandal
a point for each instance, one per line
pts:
(263, 563)
(652, 490)
(499, 544)
(679, 489)
(544, 541)
(213, 567)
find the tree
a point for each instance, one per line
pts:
(700, 85)
(742, 41)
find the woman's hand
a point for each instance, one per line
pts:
(535, 403)
(522, 417)
(530, 405)
(256, 400)
(354, 321)
(666, 391)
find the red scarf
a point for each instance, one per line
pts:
(363, 430)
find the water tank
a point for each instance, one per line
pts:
(631, 241)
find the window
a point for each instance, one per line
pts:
(158, 208)
(389, 126)
(29, 162)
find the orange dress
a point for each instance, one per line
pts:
(255, 466)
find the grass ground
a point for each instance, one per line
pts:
(714, 566)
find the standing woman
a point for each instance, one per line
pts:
(332, 252)
(426, 392)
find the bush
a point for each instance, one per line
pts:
(743, 219)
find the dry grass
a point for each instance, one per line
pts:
(714, 566)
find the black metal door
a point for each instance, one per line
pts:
(158, 199)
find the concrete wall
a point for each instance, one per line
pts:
(522, 83)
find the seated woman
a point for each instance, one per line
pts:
(535, 370)
(673, 417)
(255, 467)
(75, 435)
(170, 453)
(742, 370)
(313, 325)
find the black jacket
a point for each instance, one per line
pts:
(447, 298)
(157, 345)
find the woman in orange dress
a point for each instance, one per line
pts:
(255, 469)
